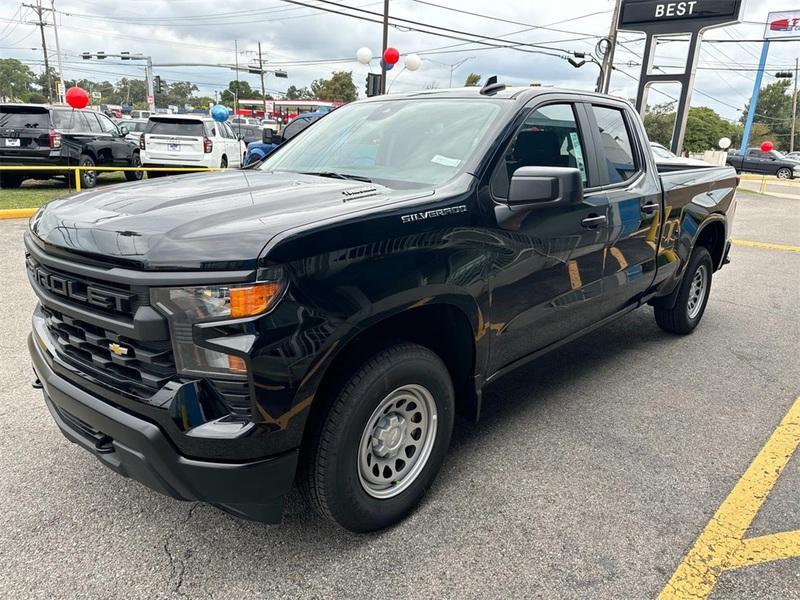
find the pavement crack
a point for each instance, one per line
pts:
(177, 562)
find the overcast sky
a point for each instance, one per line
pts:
(204, 31)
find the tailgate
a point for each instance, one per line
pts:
(24, 130)
(174, 146)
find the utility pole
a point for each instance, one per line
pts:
(263, 89)
(385, 44)
(794, 103)
(236, 95)
(604, 79)
(61, 87)
(37, 8)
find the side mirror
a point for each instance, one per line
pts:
(542, 187)
(123, 130)
(266, 136)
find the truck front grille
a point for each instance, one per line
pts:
(131, 366)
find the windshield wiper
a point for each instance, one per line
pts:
(335, 175)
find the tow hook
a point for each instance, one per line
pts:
(36, 384)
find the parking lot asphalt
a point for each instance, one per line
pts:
(591, 474)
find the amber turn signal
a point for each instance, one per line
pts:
(253, 299)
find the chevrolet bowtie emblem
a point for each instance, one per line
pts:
(117, 349)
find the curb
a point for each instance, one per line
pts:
(17, 213)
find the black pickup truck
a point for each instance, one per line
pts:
(323, 317)
(770, 162)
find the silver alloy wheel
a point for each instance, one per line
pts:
(397, 441)
(697, 292)
(784, 174)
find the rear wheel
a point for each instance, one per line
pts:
(136, 161)
(10, 180)
(784, 173)
(692, 296)
(88, 178)
(380, 444)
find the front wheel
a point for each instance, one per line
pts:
(10, 180)
(381, 443)
(692, 296)
(784, 173)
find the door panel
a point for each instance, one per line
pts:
(547, 282)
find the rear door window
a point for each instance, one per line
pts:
(23, 117)
(616, 143)
(187, 127)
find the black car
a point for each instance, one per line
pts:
(54, 136)
(771, 162)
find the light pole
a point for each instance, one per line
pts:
(794, 103)
(450, 66)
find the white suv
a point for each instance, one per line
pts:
(190, 141)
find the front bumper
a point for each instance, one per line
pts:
(139, 449)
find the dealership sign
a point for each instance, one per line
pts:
(640, 15)
(783, 25)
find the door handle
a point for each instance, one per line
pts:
(593, 221)
(650, 207)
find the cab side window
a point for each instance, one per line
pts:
(616, 143)
(549, 137)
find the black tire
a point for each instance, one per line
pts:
(784, 173)
(136, 161)
(88, 178)
(330, 477)
(10, 180)
(684, 316)
(223, 164)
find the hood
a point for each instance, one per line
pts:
(203, 220)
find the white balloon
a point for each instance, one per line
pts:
(725, 143)
(364, 55)
(413, 62)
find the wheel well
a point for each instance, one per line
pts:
(443, 328)
(712, 238)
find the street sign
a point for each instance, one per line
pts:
(97, 95)
(783, 25)
(674, 17)
(150, 99)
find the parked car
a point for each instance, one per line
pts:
(135, 128)
(140, 114)
(665, 159)
(257, 150)
(248, 133)
(54, 136)
(244, 121)
(271, 124)
(766, 163)
(322, 318)
(190, 141)
(793, 156)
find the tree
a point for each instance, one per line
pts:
(295, 93)
(473, 79)
(200, 101)
(244, 91)
(339, 88)
(15, 79)
(774, 111)
(659, 121)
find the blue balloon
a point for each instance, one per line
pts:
(219, 113)
(386, 65)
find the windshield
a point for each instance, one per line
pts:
(397, 142)
(662, 152)
(778, 155)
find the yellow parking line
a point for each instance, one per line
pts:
(766, 245)
(721, 546)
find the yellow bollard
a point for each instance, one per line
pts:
(77, 180)
(763, 189)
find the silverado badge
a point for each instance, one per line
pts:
(117, 349)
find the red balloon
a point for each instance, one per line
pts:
(77, 97)
(766, 146)
(391, 56)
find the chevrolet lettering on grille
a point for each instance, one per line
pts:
(78, 290)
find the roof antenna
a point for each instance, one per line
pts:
(491, 87)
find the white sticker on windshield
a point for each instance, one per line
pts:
(576, 148)
(445, 161)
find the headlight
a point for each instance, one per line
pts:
(186, 306)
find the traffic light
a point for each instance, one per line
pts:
(158, 85)
(373, 85)
(125, 55)
(784, 75)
